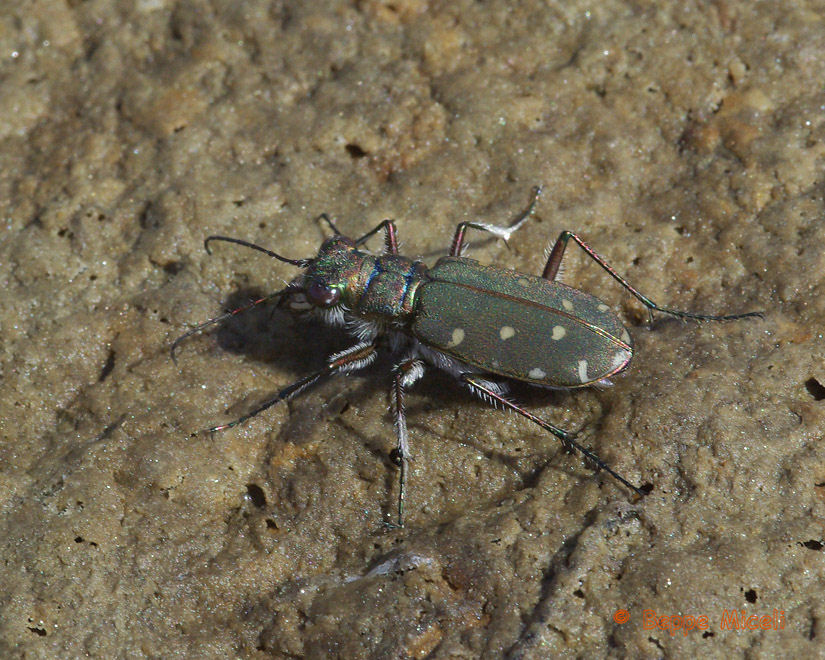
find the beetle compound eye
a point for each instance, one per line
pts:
(321, 295)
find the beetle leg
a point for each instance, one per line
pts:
(224, 317)
(495, 230)
(330, 223)
(404, 375)
(551, 269)
(390, 236)
(390, 239)
(489, 392)
(353, 358)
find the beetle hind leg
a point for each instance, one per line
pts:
(490, 392)
(553, 265)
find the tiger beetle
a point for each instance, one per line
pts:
(484, 325)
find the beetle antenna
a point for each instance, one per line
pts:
(301, 263)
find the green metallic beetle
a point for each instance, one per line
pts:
(483, 324)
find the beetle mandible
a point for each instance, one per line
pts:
(528, 328)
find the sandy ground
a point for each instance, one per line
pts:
(684, 140)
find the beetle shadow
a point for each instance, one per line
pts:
(298, 346)
(269, 335)
(266, 334)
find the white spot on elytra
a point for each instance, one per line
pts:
(619, 359)
(625, 336)
(583, 371)
(558, 332)
(506, 332)
(536, 374)
(567, 305)
(457, 338)
(602, 307)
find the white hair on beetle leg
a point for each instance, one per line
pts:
(489, 384)
(412, 373)
(356, 364)
(500, 389)
(485, 396)
(399, 421)
(333, 316)
(363, 330)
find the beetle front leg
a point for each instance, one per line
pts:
(551, 270)
(223, 317)
(404, 375)
(491, 394)
(353, 358)
(390, 236)
(496, 230)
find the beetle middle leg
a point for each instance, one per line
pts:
(490, 393)
(551, 270)
(495, 230)
(404, 375)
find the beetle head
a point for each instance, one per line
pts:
(332, 274)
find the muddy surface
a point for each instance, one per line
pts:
(684, 141)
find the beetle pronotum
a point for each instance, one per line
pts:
(527, 328)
